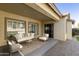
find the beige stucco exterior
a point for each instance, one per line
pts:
(69, 30)
(60, 30)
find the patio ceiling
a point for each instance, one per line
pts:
(45, 8)
(23, 10)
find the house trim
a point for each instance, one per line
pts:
(52, 5)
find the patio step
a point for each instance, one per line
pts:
(44, 48)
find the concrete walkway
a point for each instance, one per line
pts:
(68, 48)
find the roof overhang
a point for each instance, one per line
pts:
(24, 10)
(47, 9)
(40, 11)
(53, 6)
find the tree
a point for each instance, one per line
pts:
(73, 21)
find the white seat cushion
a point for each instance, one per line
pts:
(42, 38)
(45, 37)
(29, 34)
(21, 38)
(25, 39)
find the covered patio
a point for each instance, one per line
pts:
(28, 15)
(38, 19)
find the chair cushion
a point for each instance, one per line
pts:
(29, 34)
(19, 36)
(32, 34)
(43, 38)
(21, 40)
(46, 35)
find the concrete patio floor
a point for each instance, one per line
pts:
(51, 47)
(67, 48)
(37, 47)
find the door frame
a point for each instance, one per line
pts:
(52, 26)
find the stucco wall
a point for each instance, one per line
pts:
(69, 30)
(13, 16)
(60, 30)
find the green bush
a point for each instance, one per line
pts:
(77, 38)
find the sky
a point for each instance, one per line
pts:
(72, 8)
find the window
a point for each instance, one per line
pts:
(9, 24)
(15, 26)
(21, 25)
(33, 28)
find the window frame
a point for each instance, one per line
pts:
(36, 30)
(14, 20)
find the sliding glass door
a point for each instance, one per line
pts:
(49, 29)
